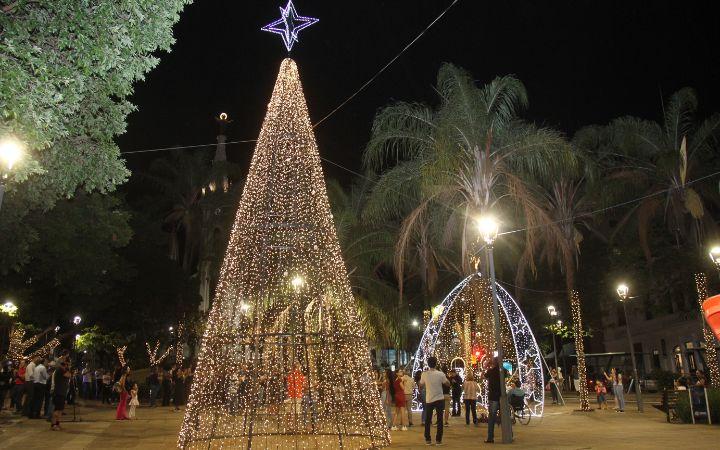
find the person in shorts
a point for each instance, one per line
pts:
(60, 382)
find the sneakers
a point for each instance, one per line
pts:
(393, 428)
(428, 442)
(404, 428)
(438, 444)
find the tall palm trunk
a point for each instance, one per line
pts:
(576, 311)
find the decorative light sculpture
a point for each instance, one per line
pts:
(473, 297)
(289, 25)
(292, 369)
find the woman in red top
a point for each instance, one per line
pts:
(400, 418)
(19, 387)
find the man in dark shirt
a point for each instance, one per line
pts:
(493, 376)
(61, 382)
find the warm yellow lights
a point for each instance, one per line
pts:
(9, 308)
(11, 151)
(488, 227)
(622, 291)
(579, 349)
(223, 116)
(283, 361)
(715, 255)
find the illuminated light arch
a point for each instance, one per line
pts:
(527, 360)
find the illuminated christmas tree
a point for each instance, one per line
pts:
(283, 361)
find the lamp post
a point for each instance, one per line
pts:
(622, 292)
(488, 228)
(553, 314)
(10, 153)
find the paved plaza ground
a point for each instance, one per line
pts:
(561, 428)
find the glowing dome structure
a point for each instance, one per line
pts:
(459, 332)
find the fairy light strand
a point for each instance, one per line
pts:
(579, 349)
(711, 357)
(283, 361)
(461, 327)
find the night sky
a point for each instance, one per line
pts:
(583, 62)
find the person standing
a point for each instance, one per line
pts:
(188, 383)
(389, 404)
(575, 375)
(554, 386)
(29, 386)
(153, 385)
(399, 412)
(19, 387)
(433, 381)
(121, 411)
(6, 382)
(471, 390)
(447, 395)
(61, 384)
(107, 385)
(408, 389)
(178, 379)
(40, 379)
(134, 402)
(492, 375)
(166, 387)
(456, 392)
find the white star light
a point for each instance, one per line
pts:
(289, 25)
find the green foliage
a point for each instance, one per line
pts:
(67, 70)
(665, 378)
(95, 339)
(683, 406)
(565, 331)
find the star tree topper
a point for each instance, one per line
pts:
(289, 25)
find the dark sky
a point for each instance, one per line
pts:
(583, 62)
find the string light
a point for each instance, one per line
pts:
(179, 356)
(463, 330)
(289, 25)
(711, 357)
(291, 369)
(152, 355)
(17, 346)
(579, 348)
(121, 354)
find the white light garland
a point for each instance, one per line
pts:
(461, 327)
(283, 361)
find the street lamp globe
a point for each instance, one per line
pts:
(10, 152)
(559, 323)
(415, 323)
(76, 320)
(622, 291)
(488, 227)
(552, 311)
(715, 255)
(170, 329)
(9, 308)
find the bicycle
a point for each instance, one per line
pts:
(520, 410)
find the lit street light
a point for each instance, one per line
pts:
(76, 320)
(622, 292)
(488, 227)
(715, 256)
(9, 308)
(170, 329)
(415, 323)
(553, 313)
(10, 153)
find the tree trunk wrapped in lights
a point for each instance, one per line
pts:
(579, 349)
(711, 357)
(283, 361)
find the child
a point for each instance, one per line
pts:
(600, 390)
(133, 401)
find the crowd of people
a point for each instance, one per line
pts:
(41, 387)
(441, 392)
(38, 387)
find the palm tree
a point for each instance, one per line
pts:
(194, 189)
(440, 167)
(366, 251)
(660, 163)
